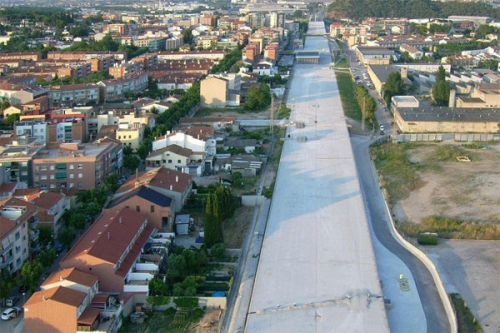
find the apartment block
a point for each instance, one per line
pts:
(51, 206)
(70, 94)
(18, 233)
(221, 90)
(83, 55)
(111, 249)
(147, 60)
(34, 56)
(186, 55)
(116, 89)
(78, 70)
(130, 134)
(82, 166)
(16, 160)
(119, 71)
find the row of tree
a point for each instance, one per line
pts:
(221, 205)
(367, 103)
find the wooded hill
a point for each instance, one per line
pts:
(360, 9)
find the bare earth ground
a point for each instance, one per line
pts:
(472, 268)
(236, 228)
(468, 191)
(458, 189)
(209, 323)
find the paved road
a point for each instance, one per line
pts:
(437, 321)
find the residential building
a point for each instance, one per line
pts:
(76, 70)
(146, 61)
(171, 183)
(185, 55)
(413, 52)
(221, 90)
(16, 160)
(51, 206)
(177, 158)
(34, 56)
(18, 233)
(157, 207)
(111, 248)
(117, 88)
(119, 71)
(216, 123)
(130, 134)
(71, 94)
(485, 95)
(84, 55)
(379, 74)
(83, 166)
(34, 128)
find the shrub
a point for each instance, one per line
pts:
(186, 302)
(427, 238)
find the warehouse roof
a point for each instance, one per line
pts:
(450, 114)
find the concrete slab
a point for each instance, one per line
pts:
(317, 269)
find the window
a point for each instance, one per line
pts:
(52, 185)
(80, 184)
(43, 177)
(18, 235)
(152, 208)
(52, 167)
(170, 161)
(71, 166)
(130, 136)
(164, 161)
(178, 161)
(80, 175)
(43, 167)
(51, 176)
(80, 166)
(71, 184)
(71, 176)
(138, 208)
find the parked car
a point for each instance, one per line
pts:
(59, 247)
(381, 127)
(10, 313)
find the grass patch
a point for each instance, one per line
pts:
(451, 228)
(467, 323)
(399, 175)
(205, 112)
(472, 146)
(343, 63)
(447, 153)
(284, 111)
(349, 102)
(170, 321)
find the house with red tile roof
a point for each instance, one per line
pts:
(171, 183)
(111, 248)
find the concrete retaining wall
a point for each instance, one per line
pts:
(450, 312)
(438, 137)
(252, 200)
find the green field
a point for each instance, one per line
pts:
(349, 102)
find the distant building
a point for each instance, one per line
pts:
(374, 55)
(220, 90)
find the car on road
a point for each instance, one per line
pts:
(381, 127)
(10, 313)
(59, 247)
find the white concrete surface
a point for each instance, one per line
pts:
(317, 270)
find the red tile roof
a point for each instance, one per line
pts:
(109, 237)
(47, 200)
(89, 316)
(73, 275)
(159, 177)
(59, 294)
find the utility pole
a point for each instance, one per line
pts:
(363, 111)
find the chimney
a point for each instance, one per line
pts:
(61, 278)
(404, 72)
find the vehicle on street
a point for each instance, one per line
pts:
(381, 127)
(10, 313)
(59, 247)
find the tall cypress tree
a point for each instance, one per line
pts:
(213, 222)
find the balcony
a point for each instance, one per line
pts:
(6, 260)
(34, 222)
(34, 235)
(35, 248)
(6, 249)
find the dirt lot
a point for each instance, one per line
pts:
(236, 228)
(464, 190)
(209, 322)
(472, 268)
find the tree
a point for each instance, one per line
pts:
(258, 97)
(11, 119)
(187, 36)
(77, 220)
(66, 236)
(441, 89)
(127, 151)
(46, 236)
(4, 104)
(31, 272)
(157, 287)
(131, 162)
(213, 225)
(218, 250)
(393, 86)
(47, 257)
(7, 283)
(176, 267)
(111, 182)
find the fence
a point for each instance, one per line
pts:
(438, 137)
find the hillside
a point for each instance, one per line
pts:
(360, 9)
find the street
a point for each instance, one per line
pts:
(437, 320)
